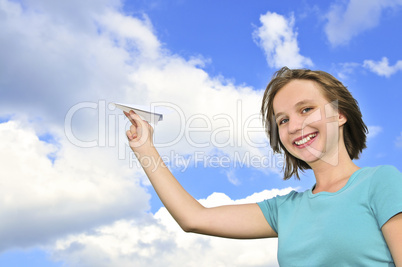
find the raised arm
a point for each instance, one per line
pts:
(233, 221)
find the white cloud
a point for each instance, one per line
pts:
(69, 52)
(374, 131)
(43, 200)
(159, 241)
(382, 67)
(131, 33)
(278, 39)
(345, 70)
(346, 22)
(217, 199)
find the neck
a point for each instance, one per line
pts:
(330, 176)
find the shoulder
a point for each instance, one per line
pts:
(291, 197)
(377, 180)
(385, 191)
(382, 180)
(386, 169)
(270, 207)
(382, 173)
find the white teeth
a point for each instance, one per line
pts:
(305, 139)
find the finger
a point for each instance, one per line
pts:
(137, 119)
(129, 135)
(140, 130)
(135, 131)
(129, 118)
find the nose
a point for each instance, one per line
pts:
(295, 124)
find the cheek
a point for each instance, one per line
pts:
(332, 132)
(283, 136)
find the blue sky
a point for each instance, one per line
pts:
(72, 193)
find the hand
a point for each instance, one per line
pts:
(140, 133)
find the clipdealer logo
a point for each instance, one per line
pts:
(221, 131)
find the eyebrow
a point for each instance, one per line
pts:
(298, 104)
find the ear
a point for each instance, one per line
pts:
(342, 119)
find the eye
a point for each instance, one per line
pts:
(282, 121)
(305, 110)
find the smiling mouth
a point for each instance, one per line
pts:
(305, 139)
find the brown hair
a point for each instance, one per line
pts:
(355, 130)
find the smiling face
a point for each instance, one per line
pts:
(309, 125)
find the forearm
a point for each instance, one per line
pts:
(180, 204)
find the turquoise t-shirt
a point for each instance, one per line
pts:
(341, 228)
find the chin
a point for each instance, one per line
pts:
(309, 157)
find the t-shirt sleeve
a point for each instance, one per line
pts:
(386, 193)
(269, 208)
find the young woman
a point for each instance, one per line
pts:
(351, 217)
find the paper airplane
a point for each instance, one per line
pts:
(143, 111)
